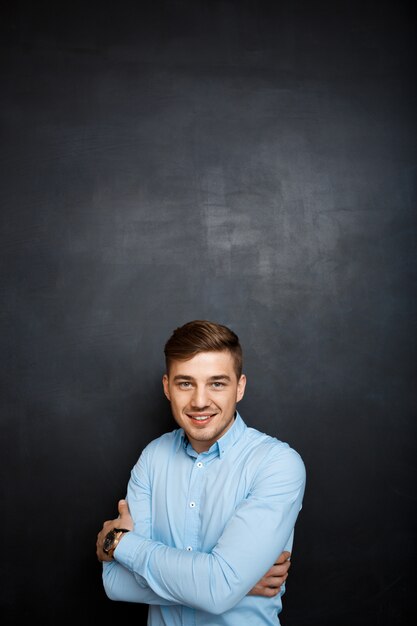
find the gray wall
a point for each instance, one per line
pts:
(247, 162)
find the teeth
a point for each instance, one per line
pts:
(202, 418)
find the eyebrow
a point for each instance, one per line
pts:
(212, 378)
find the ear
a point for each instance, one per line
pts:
(166, 386)
(241, 386)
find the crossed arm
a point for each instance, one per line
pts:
(135, 591)
(150, 572)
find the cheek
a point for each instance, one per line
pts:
(228, 402)
(176, 404)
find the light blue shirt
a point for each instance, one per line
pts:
(207, 528)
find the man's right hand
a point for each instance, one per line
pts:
(270, 584)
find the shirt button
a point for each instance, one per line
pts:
(192, 505)
(189, 548)
(199, 464)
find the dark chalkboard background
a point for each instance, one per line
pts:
(247, 162)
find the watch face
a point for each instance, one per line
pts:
(108, 541)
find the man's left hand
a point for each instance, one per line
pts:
(123, 521)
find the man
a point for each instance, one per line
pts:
(210, 504)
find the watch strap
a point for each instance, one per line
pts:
(116, 534)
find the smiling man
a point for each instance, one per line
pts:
(203, 392)
(210, 504)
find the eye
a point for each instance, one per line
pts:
(185, 384)
(217, 385)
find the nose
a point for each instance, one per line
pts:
(200, 398)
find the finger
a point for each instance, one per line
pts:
(276, 581)
(283, 557)
(280, 570)
(123, 508)
(272, 581)
(266, 592)
(269, 592)
(277, 569)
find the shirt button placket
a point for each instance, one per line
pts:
(192, 538)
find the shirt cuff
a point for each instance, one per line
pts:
(130, 552)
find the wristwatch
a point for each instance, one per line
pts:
(112, 539)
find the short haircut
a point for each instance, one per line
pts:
(202, 336)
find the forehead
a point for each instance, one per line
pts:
(204, 365)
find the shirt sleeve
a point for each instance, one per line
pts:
(120, 583)
(256, 534)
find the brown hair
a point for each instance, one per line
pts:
(202, 336)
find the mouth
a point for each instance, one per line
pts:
(200, 418)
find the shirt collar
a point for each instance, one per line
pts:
(222, 445)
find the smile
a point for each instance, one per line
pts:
(200, 418)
